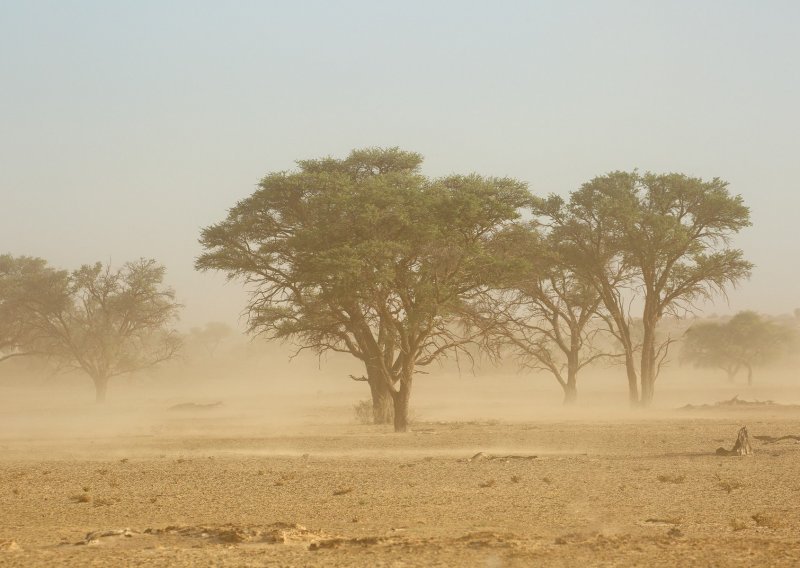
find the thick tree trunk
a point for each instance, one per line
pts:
(633, 378)
(647, 368)
(571, 386)
(401, 398)
(648, 389)
(570, 394)
(381, 400)
(100, 389)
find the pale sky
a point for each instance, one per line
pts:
(125, 127)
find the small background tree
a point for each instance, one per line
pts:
(743, 342)
(113, 322)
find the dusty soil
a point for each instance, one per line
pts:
(641, 491)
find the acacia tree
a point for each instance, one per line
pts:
(113, 322)
(368, 257)
(546, 311)
(659, 240)
(744, 341)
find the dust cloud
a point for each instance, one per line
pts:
(241, 456)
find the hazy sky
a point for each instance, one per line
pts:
(125, 127)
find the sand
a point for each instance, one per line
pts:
(195, 490)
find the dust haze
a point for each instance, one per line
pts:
(244, 457)
(381, 284)
(253, 389)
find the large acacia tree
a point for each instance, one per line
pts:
(367, 256)
(657, 243)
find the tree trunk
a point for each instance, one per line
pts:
(100, 389)
(615, 308)
(571, 386)
(633, 379)
(381, 399)
(401, 398)
(749, 376)
(648, 389)
(570, 394)
(647, 369)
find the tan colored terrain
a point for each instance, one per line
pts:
(211, 487)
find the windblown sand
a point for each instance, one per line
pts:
(644, 490)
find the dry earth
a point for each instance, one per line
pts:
(642, 491)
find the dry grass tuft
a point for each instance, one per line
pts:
(671, 478)
(738, 524)
(363, 412)
(665, 520)
(768, 520)
(728, 485)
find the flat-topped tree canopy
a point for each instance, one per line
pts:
(366, 256)
(663, 238)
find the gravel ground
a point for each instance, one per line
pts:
(639, 492)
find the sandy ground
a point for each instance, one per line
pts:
(213, 488)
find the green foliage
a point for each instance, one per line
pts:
(545, 312)
(660, 238)
(365, 255)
